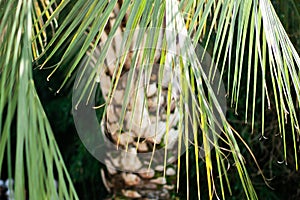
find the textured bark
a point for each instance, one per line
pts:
(144, 126)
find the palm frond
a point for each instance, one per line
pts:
(228, 26)
(256, 22)
(37, 155)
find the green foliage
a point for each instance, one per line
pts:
(248, 43)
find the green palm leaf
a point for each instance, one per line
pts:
(37, 155)
(227, 27)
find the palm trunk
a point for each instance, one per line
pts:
(143, 129)
(141, 181)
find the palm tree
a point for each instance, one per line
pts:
(246, 39)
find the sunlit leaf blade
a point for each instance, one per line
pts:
(235, 21)
(37, 157)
